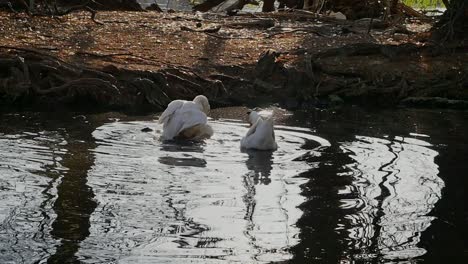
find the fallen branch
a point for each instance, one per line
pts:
(83, 82)
(203, 30)
(183, 80)
(35, 51)
(259, 23)
(302, 12)
(410, 11)
(365, 49)
(226, 37)
(305, 30)
(58, 13)
(104, 55)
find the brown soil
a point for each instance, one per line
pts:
(151, 40)
(207, 48)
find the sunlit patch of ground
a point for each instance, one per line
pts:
(149, 40)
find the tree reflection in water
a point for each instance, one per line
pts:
(369, 199)
(323, 235)
(74, 204)
(397, 181)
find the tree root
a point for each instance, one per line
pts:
(259, 23)
(364, 49)
(48, 11)
(41, 78)
(203, 30)
(37, 76)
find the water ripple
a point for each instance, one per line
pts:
(29, 169)
(194, 201)
(103, 191)
(397, 181)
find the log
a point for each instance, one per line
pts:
(410, 11)
(257, 23)
(207, 5)
(83, 84)
(154, 7)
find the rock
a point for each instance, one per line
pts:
(214, 89)
(376, 23)
(270, 75)
(265, 86)
(146, 129)
(337, 15)
(154, 7)
(335, 99)
(299, 84)
(266, 63)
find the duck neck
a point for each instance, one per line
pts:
(204, 107)
(254, 117)
(200, 106)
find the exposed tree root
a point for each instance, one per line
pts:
(316, 80)
(29, 75)
(47, 9)
(362, 49)
(41, 78)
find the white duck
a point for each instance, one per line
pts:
(186, 119)
(261, 135)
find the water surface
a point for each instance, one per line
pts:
(343, 186)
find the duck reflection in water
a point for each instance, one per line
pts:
(181, 148)
(260, 164)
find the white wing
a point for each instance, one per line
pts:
(247, 139)
(170, 110)
(191, 115)
(179, 119)
(260, 136)
(269, 121)
(253, 128)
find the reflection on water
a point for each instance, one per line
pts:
(260, 164)
(44, 215)
(184, 147)
(373, 195)
(29, 168)
(164, 200)
(74, 203)
(104, 192)
(397, 185)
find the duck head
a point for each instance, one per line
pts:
(202, 101)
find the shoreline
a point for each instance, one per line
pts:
(140, 61)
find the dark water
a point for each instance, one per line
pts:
(346, 186)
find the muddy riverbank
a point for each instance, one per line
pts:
(139, 61)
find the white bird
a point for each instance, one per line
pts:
(186, 119)
(261, 135)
